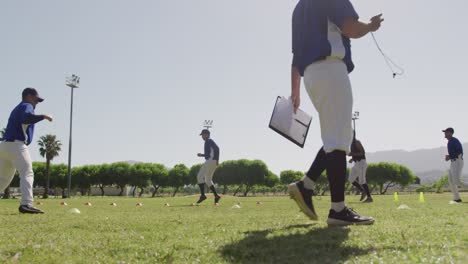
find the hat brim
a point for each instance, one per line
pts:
(40, 99)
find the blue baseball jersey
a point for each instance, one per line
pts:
(316, 32)
(211, 150)
(21, 123)
(455, 148)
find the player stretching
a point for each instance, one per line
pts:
(205, 175)
(358, 173)
(321, 47)
(455, 156)
(14, 151)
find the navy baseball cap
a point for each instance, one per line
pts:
(205, 131)
(33, 92)
(450, 130)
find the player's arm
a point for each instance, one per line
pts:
(30, 118)
(295, 87)
(450, 151)
(297, 60)
(343, 15)
(353, 28)
(216, 152)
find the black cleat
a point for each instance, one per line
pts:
(368, 200)
(202, 198)
(458, 201)
(26, 209)
(347, 217)
(217, 198)
(363, 196)
(303, 198)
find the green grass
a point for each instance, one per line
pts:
(273, 232)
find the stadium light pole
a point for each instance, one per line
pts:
(73, 82)
(355, 117)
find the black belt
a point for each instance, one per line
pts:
(455, 159)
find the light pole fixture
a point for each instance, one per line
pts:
(355, 117)
(73, 82)
(208, 124)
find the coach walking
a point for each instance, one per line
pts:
(322, 55)
(14, 151)
(455, 157)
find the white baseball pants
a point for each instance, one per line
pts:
(329, 88)
(358, 172)
(15, 156)
(205, 174)
(454, 177)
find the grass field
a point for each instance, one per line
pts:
(272, 232)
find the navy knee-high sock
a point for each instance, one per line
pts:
(336, 173)
(202, 189)
(318, 166)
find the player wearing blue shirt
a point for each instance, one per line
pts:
(455, 156)
(14, 152)
(205, 175)
(321, 47)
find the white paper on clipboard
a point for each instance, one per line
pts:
(293, 126)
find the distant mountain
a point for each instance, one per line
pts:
(428, 164)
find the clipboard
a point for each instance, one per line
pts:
(292, 126)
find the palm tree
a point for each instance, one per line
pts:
(49, 148)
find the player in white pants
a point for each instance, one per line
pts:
(455, 156)
(14, 151)
(322, 32)
(205, 175)
(358, 172)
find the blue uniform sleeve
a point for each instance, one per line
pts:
(340, 10)
(28, 116)
(297, 36)
(216, 150)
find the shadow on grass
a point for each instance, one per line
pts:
(318, 245)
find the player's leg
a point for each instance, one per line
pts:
(363, 181)
(452, 182)
(459, 171)
(329, 87)
(22, 162)
(353, 177)
(7, 172)
(201, 182)
(302, 191)
(209, 179)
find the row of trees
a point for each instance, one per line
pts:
(238, 176)
(244, 175)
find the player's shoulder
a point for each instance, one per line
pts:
(24, 106)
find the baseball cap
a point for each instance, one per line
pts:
(205, 131)
(33, 92)
(449, 130)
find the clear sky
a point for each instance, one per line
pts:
(152, 70)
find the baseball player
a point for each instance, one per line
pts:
(455, 157)
(14, 151)
(205, 175)
(321, 33)
(358, 173)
